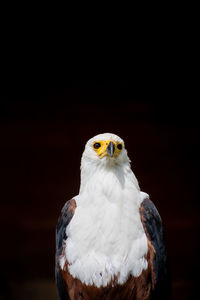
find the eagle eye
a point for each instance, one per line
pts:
(97, 145)
(119, 146)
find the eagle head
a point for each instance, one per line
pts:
(105, 149)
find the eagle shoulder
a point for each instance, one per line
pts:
(64, 219)
(153, 228)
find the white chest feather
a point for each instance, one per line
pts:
(106, 239)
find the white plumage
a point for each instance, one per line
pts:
(106, 239)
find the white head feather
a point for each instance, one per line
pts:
(90, 162)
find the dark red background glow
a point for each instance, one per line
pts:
(42, 136)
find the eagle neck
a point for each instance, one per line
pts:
(103, 178)
(109, 181)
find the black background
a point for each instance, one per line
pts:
(44, 128)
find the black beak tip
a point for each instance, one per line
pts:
(111, 149)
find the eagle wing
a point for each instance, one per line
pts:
(63, 220)
(152, 224)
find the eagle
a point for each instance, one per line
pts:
(109, 238)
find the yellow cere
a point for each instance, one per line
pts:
(101, 148)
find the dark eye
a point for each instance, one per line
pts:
(96, 145)
(119, 146)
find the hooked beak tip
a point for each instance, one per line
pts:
(111, 149)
